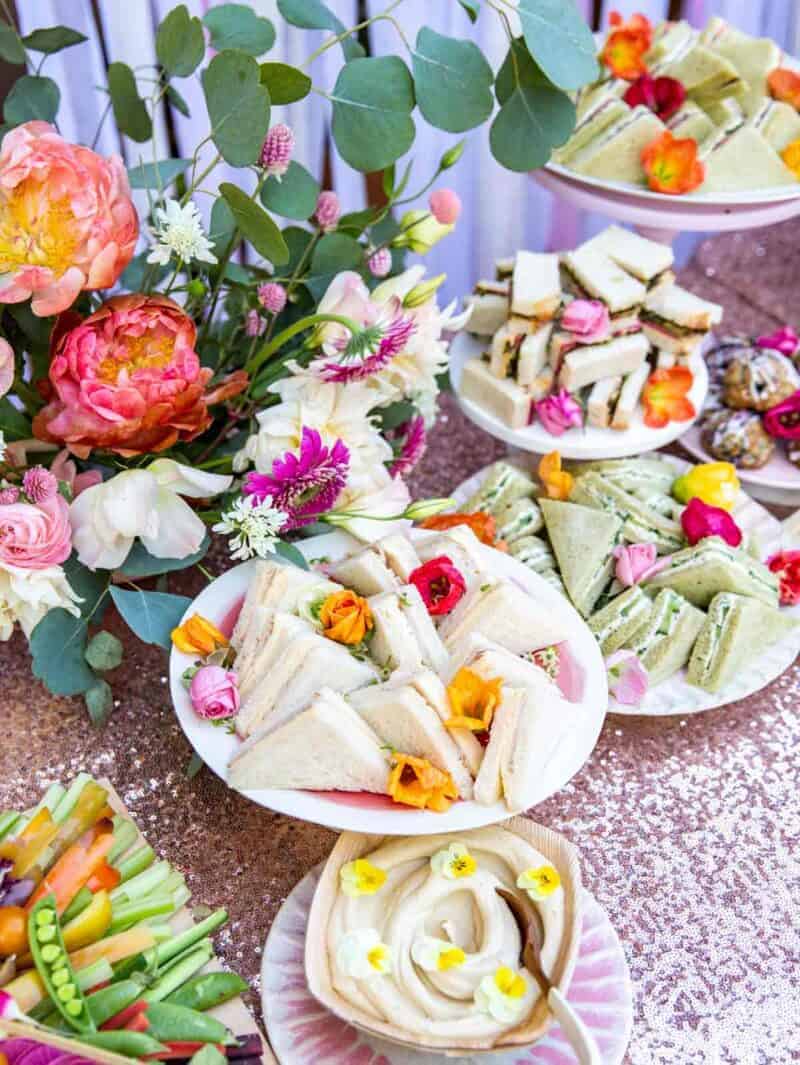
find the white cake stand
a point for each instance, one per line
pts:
(662, 217)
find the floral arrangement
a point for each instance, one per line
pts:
(162, 375)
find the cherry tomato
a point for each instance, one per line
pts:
(13, 930)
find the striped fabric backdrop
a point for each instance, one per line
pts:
(501, 210)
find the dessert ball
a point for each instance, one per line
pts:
(759, 380)
(737, 436)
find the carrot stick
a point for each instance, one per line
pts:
(124, 1017)
(105, 878)
(75, 866)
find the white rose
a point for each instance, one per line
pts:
(26, 595)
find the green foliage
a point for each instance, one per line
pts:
(104, 651)
(238, 106)
(471, 7)
(53, 39)
(13, 423)
(58, 646)
(156, 175)
(130, 113)
(151, 615)
(452, 80)
(178, 101)
(334, 252)
(99, 701)
(140, 563)
(255, 224)
(286, 84)
(531, 122)
(313, 15)
(294, 195)
(223, 227)
(11, 47)
(372, 104)
(238, 26)
(560, 41)
(180, 43)
(291, 554)
(31, 97)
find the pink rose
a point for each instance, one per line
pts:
(559, 412)
(627, 678)
(214, 693)
(35, 537)
(445, 205)
(636, 562)
(71, 212)
(784, 340)
(587, 319)
(699, 520)
(6, 366)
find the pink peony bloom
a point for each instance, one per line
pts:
(9, 494)
(559, 412)
(272, 297)
(306, 485)
(784, 340)
(589, 320)
(328, 210)
(699, 520)
(127, 378)
(64, 469)
(254, 324)
(35, 537)
(414, 439)
(67, 221)
(445, 205)
(380, 262)
(214, 693)
(627, 678)
(276, 154)
(39, 484)
(637, 562)
(6, 366)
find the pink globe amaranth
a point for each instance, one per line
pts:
(35, 537)
(67, 221)
(272, 297)
(276, 153)
(127, 379)
(214, 692)
(328, 210)
(39, 484)
(445, 205)
(380, 262)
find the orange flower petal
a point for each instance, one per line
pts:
(784, 85)
(672, 165)
(482, 524)
(623, 53)
(415, 782)
(345, 617)
(664, 397)
(791, 156)
(557, 482)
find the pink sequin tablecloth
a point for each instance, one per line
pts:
(689, 828)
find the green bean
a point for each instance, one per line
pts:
(207, 990)
(135, 863)
(129, 1044)
(178, 1024)
(53, 965)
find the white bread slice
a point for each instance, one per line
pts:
(431, 688)
(461, 546)
(602, 398)
(592, 362)
(489, 782)
(399, 554)
(643, 258)
(533, 355)
(501, 611)
(535, 288)
(327, 747)
(279, 586)
(629, 397)
(404, 636)
(366, 573)
(407, 722)
(271, 635)
(489, 311)
(505, 399)
(678, 305)
(600, 276)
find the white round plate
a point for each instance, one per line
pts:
(303, 1032)
(362, 812)
(777, 481)
(586, 443)
(675, 695)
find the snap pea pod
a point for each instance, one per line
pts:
(129, 1044)
(179, 1024)
(109, 1001)
(207, 990)
(98, 973)
(53, 965)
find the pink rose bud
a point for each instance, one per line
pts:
(380, 262)
(9, 494)
(272, 297)
(445, 206)
(699, 520)
(627, 678)
(635, 562)
(39, 484)
(254, 324)
(587, 319)
(276, 153)
(559, 412)
(328, 210)
(784, 340)
(214, 693)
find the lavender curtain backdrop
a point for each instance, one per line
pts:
(502, 211)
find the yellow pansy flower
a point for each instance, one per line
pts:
(361, 954)
(361, 877)
(504, 994)
(540, 883)
(454, 862)
(436, 955)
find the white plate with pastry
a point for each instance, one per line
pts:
(323, 729)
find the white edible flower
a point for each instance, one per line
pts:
(254, 527)
(504, 994)
(178, 231)
(107, 517)
(26, 595)
(362, 955)
(436, 955)
(454, 862)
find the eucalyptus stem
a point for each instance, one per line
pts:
(200, 178)
(337, 38)
(286, 335)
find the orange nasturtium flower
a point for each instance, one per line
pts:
(197, 636)
(481, 523)
(623, 54)
(473, 700)
(784, 85)
(415, 782)
(791, 156)
(665, 397)
(672, 165)
(637, 23)
(345, 617)
(557, 482)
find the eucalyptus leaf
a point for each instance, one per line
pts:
(372, 104)
(99, 701)
(314, 15)
(559, 40)
(130, 112)
(334, 253)
(134, 273)
(531, 122)
(294, 196)
(37, 330)
(180, 43)
(30, 98)
(178, 101)
(256, 225)
(57, 646)
(11, 47)
(518, 68)
(140, 563)
(156, 175)
(51, 39)
(452, 80)
(286, 84)
(90, 585)
(238, 26)
(151, 615)
(196, 763)
(291, 554)
(222, 228)
(471, 7)
(14, 424)
(104, 651)
(297, 241)
(238, 106)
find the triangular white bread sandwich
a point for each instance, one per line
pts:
(645, 259)
(431, 687)
(691, 121)
(501, 611)
(674, 319)
(279, 586)
(290, 670)
(490, 307)
(753, 57)
(592, 362)
(778, 122)
(461, 546)
(505, 399)
(602, 110)
(743, 159)
(381, 567)
(270, 633)
(535, 286)
(326, 747)
(615, 155)
(583, 540)
(594, 275)
(404, 636)
(404, 719)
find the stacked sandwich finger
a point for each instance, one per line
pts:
(711, 608)
(537, 350)
(452, 702)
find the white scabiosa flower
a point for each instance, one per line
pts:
(253, 527)
(178, 231)
(362, 955)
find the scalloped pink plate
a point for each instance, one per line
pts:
(302, 1032)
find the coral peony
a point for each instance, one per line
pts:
(127, 378)
(67, 222)
(35, 537)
